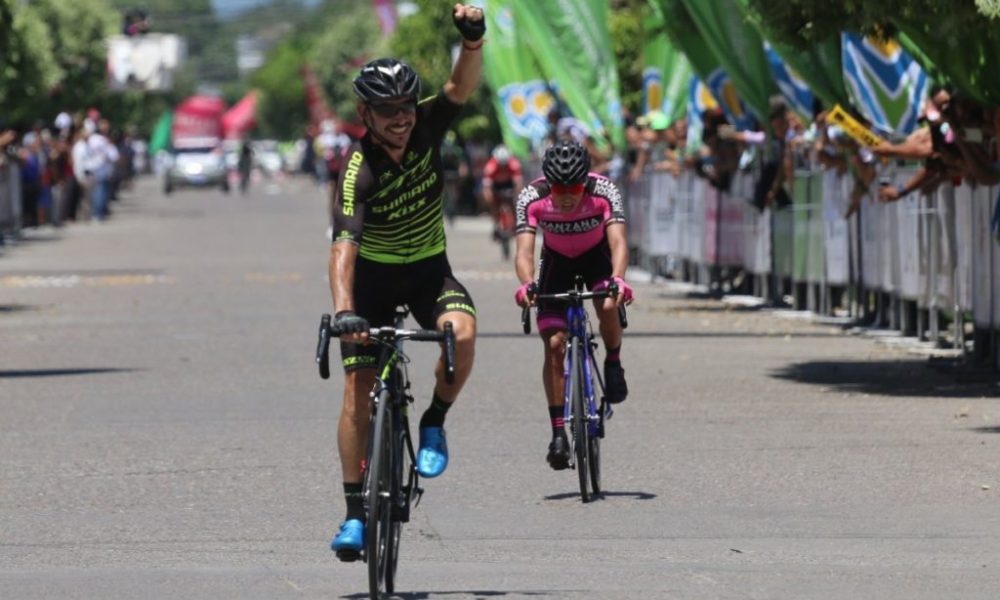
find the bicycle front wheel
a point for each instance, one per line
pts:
(581, 432)
(594, 456)
(378, 529)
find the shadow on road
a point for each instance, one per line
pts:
(673, 334)
(603, 495)
(13, 308)
(31, 373)
(985, 429)
(887, 378)
(476, 594)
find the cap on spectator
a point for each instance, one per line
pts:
(642, 121)
(658, 121)
(63, 120)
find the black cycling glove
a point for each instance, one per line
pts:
(472, 31)
(347, 322)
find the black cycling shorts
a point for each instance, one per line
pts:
(557, 273)
(426, 287)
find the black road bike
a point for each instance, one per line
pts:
(390, 484)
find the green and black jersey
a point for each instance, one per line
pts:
(393, 211)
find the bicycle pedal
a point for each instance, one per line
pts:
(348, 555)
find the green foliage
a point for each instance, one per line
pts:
(802, 23)
(626, 27)
(29, 69)
(281, 107)
(426, 40)
(78, 31)
(351, 39)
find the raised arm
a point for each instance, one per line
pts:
(465, 74)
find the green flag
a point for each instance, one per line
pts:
(666, 73)
(521, 95)
(160, 139)
(571, 42)
(738, 47)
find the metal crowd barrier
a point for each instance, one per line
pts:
(10, 197)
(906, 265)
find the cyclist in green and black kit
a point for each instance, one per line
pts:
(389, 249)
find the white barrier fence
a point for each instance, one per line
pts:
(923, 256)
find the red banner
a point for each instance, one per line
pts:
(241, 118)
(198, 122)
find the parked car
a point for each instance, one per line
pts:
(196, 167)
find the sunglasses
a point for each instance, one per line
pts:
(573, 189)
(388, 111)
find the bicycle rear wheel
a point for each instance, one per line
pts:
(400, 501)
(378, 529)
(581, 432)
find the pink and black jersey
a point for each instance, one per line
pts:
(570, 233)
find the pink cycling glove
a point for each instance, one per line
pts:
(624, 289)
(524, 293)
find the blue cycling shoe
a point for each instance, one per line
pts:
(349, 540)
(432, 459)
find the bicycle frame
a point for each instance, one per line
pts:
(579, 340)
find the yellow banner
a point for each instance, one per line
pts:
(858, 132)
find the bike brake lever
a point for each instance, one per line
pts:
(449, 353)
(323, 349)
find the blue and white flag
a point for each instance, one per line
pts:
(794, 90)
(884, 82)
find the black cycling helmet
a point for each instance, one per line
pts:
(386, 79)
(566, 163)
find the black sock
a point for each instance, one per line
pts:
(355, 501)
(556, 417)
(434, 415)
(611, 354)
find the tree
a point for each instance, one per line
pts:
(78, 33)
(281, 108)
(29, 69)
(351, 39)
(627, 37)
(425, 40)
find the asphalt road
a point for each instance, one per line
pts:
(164, 434)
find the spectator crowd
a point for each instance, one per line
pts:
(68, 170)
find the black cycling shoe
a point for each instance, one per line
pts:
(558, 457)
(614, 382)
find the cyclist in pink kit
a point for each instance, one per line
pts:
(583, 227)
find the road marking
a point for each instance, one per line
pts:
(70, 281)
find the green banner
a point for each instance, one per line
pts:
(967, 54)
(666, 73)
(520, 93)
(684, 34)
(571, 42)
(738, 47)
